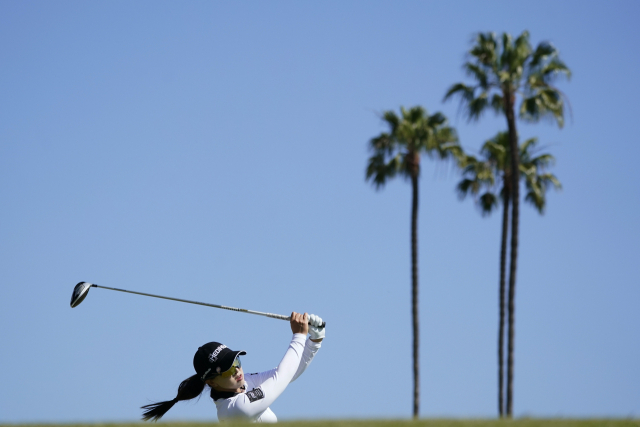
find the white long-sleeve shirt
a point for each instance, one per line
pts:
(263, 388)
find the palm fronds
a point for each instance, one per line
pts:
(413, 131)
(484, 178)
(501, 66)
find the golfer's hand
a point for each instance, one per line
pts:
(316, 330)
(299, 323)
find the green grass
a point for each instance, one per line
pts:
(524, 422)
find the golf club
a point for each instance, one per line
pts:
(82, 289)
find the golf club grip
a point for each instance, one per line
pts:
(274, 316)
(278, 316)
(321, 326)
(243, 310)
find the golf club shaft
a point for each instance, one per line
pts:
(243, 310)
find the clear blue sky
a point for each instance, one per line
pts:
(216, 151)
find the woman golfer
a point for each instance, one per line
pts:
(240, 397)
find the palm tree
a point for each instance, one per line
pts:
(491, 177)
(505, 70)
(397, 152)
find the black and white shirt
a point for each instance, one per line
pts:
(263, 388)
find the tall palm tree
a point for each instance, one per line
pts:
(505, 70)
(489, 181)
(397, 152)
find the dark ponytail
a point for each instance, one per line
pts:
(188, 389)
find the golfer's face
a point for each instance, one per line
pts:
(231, 382)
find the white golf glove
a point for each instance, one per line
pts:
(316, 332)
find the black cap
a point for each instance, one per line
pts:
(213, 359)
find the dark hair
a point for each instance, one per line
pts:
(188, 389)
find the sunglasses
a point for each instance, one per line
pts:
(233, 370)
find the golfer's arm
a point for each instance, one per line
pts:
(310, 350)
(273, 382)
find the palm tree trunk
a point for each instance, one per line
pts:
(414, 296)
(515, 187)
(503, 264)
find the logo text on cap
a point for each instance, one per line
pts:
(214, 356)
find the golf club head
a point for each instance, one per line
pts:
(79, 293)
